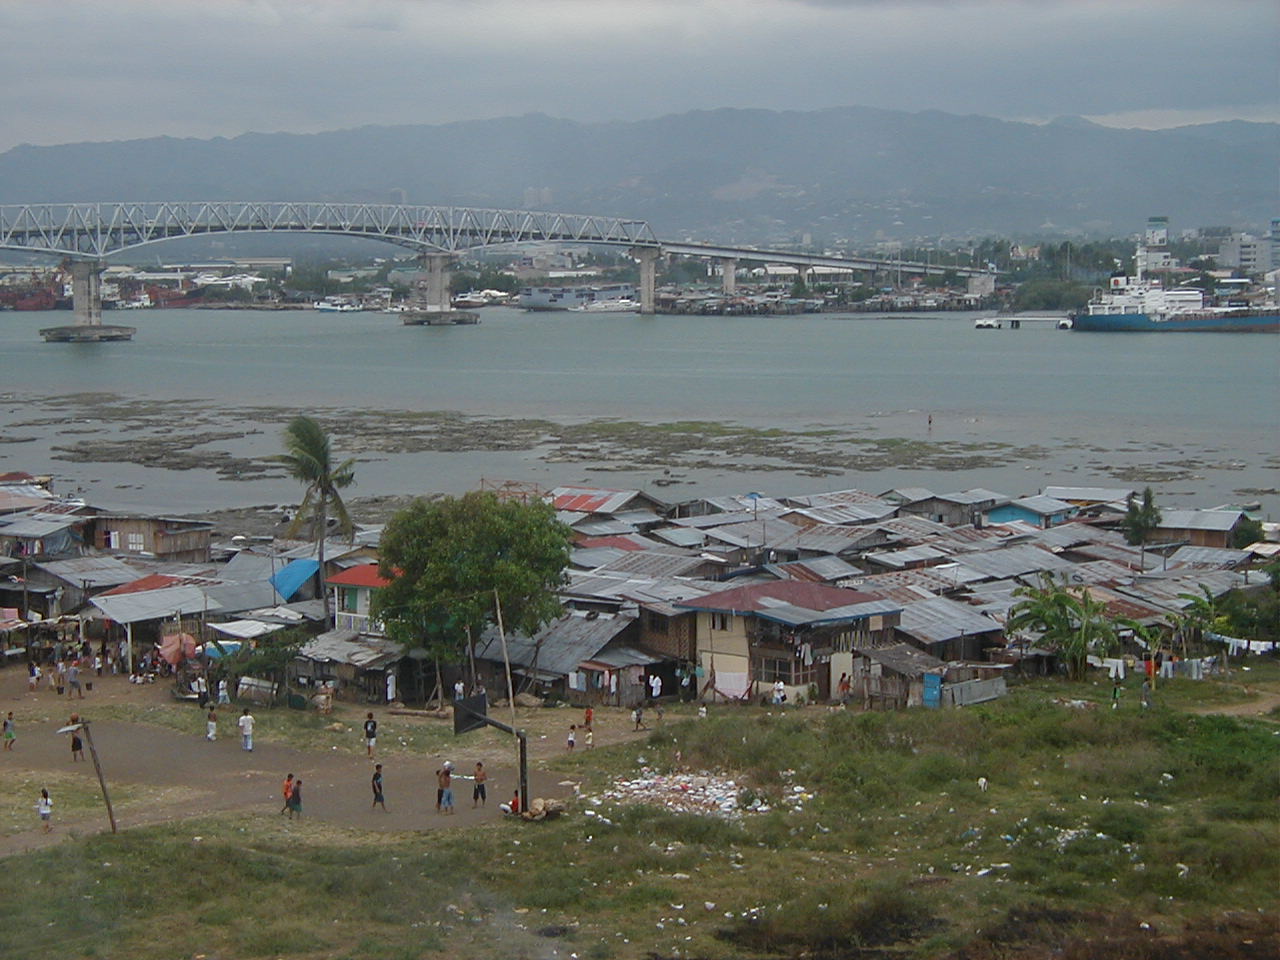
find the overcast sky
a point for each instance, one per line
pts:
(119, 69)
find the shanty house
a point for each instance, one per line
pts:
(353, 591)
(1039, 511)
(165, 538)
(799, 633)
(359, 669)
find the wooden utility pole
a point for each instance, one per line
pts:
(93, 752)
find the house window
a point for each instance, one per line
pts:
(789, 671)
(721, 621)
(135, 541)
(347, 599)
(772, 669)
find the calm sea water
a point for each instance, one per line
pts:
(1208, 394)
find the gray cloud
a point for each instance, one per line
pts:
(132, 68)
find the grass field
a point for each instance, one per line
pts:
(1094, 823)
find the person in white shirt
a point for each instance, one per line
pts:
(246, 729)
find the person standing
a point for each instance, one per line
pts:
(573, 736)
(459, 689)
(478, 793)
(637, 718)
(779, 693)
(224, 696)
(590, 738)
(844, 688)
(376, 783)
(73, 680)
(370, 734)
(44, 807)
(211, 725)
(1146, 693)
(286, 791)
(10, 731)
(246, 729)
(77, 746)
(97, 664)
(588, 718)
(444, 790)
(1115, 693)
(655, 686)
(294, 806)
(33, 676)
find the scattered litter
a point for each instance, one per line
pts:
(688, 793)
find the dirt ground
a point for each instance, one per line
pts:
(221, 776)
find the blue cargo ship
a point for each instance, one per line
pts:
(1139, 304)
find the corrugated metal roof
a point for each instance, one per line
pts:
(1087, 495)
(1220, 521)
(35, 524)
(594, 557)
(938, 619)
(847, 513)
(833, 498)
(1209, 557)
(726, 519)
(365, 575)
(95, 571)
(1042, 505)
(346, 646)
(1015, 561)
(680, 536)
(559, 647)
(820, 569)
(598, 499)
(899, 559)
(972, 496)
(655, 563)
(907, 494)
(904, 659)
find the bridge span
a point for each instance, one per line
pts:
(88, 233)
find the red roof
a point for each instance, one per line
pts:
(621, 542)
(810, 596)
(152, 581)
(365, 575)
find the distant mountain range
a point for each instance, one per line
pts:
(748, 176)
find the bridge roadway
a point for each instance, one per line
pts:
(89, 232)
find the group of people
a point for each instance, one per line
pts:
(64, 676)
(588, 731)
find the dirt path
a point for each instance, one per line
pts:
(1264, 702)
(221, 776)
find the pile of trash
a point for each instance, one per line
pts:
(685, 792)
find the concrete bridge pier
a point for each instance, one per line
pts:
(729, 275)
(86, 301)
(86, 291)
(431, 291)
(648, 257)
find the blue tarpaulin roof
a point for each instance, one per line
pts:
(298, 572)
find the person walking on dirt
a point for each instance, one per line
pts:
(370, 734)
(294, 806)
(376, 783)
(478, 793)
(286, 791)
(10, 731)
(246, 729)
(211, 725)
(77, 746)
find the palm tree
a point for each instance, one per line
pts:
(1073, 624)
(310, 462)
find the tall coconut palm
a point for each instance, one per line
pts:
(310, 462)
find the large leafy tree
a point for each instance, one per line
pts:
(309, 460)
(452, 562)
(1071, 622)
